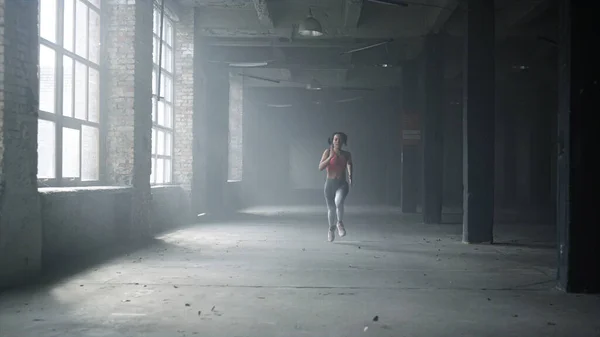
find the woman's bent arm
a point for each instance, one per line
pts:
(324, 160)
(350, 168)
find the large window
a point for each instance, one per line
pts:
(69, 72)
(162, 102)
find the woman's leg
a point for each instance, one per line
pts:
(340, 197)
(330, 190)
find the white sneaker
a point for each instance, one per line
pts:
(331, 234)
(341, 229)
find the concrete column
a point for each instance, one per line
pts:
(20, 212)
(142, 159)
(433, 128)
(216, 117)
(129, 121)
(453, 144)
(210, 129)
(199, 128)
(478, 122)
(410, 138)
(579, 102)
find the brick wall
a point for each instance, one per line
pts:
(120, 44)
(184, 100)
(236, 110)
(20, 215)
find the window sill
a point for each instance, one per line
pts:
(53, 190)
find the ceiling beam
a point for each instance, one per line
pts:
(519, 13)
(264, 15)
(286, 43)
(352, 12)
(442, 15)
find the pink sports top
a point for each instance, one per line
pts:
(337, 166)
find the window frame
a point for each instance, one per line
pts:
(59, 120)
(165, 73)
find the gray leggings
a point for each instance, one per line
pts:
(336, 191)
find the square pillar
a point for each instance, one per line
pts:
(577, 166)
(411, 137)
(210, 129)
(184, 101)
(198, 199)
(216, 119)
(433, 129)
(478, 121)
(129, 104)
(20, 209)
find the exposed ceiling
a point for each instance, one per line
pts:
(265, 30)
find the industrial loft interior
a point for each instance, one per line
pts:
(277, 168)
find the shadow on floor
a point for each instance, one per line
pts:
(61, 268)
(532, 245)
(284, 217)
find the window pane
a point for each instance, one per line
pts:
(67, 86)
(94, 39)
(162, 80)
(155, 47)
(160, 171)
(94, 96)
(69, 25)
(168, 89)
(169, 32)
(154, 79)
(95, 3)
(160, 143)
(70, 153)
(163, 61)
(81, 22)
(160, 118)
(81, 84)
(47, 79)
(153, 109)
(167, 171)
(156, 20)
(153, 172)
(90, 153)
(165, 26)
(153, 141)
(46, 149)
(168, 59)
(168, 143)
(168, 116)
(48, 20)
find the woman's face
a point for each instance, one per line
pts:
(337, 141)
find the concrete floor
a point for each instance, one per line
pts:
(272, 273)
